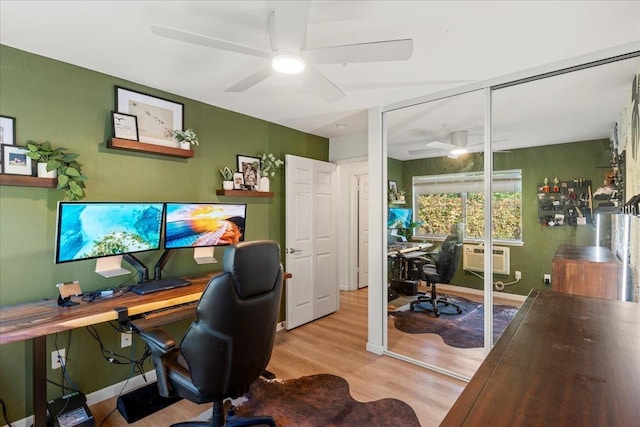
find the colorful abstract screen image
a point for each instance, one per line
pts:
(191, 225)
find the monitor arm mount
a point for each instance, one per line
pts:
(143, 274)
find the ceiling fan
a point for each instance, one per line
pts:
(457, 146)
(287, 27)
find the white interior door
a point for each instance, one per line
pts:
(310, 240)
(363, 231)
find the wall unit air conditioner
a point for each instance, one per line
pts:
(473, 258)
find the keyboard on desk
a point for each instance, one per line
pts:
(159, 285)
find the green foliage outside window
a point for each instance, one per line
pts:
(439, 211)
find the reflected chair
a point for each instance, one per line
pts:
(229, 344)
(438, 269)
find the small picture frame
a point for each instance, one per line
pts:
(125, 126)
(393, 191)
(238, 181)
(15, 160)
(250, 169)
(7, 130)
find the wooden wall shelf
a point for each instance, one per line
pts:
(244, 193)
(142, 147)
(27, 181)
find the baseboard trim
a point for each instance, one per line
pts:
(478, 292)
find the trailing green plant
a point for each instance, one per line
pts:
(227, 174)
(186, 136)
(70, 178)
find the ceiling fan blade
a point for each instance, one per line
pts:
(290, 25)
(251, 81)
(382, 51)
(440, 145)
(322, 86)
(202, 40)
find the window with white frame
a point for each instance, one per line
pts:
(441, 201)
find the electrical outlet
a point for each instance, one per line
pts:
(125, 339)
(547, 279)
(518, 275)
(56, 356)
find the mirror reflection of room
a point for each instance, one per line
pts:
(557, 186)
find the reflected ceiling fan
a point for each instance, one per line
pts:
(287, 27)
(457, 145)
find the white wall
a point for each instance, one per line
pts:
(349, 147)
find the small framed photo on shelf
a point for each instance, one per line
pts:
(238, 181)
(125, 126)
(7, 130)
(15, 160)
(393, 191)
(250, 169)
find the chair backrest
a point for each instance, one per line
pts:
(449, 258)
(230, 343)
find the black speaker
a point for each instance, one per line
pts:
(143, 401)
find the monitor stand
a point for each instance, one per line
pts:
(204, 255)
(110, 266)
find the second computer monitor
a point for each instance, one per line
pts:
(198, 224)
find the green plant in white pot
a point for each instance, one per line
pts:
(63, 163)
(186, 138)
(227, 178)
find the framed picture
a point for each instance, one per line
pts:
(393, 191)
(249, 167)
(15, 160)
(238, 181)
(125, 126)
(7, 130)
(157, 117)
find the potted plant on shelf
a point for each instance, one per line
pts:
(185, 138)
(63, 165)
(269, 163)
(227, 178)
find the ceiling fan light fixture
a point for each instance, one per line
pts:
(458, 151)
(288, 64)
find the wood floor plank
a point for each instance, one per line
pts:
(334, 344)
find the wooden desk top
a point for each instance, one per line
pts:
(30, 320)
(584, 254)
(564, 360)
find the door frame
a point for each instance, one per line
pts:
(347, 239)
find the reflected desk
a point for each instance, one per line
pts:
(564, 360)
(399, 254)
(34, 321)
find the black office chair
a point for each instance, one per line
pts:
(229, 344)
(439, 269)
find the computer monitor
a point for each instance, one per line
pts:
(399, 218)
(107, 231)
(203, 226)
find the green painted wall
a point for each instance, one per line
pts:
(70, 106)
(566, 161)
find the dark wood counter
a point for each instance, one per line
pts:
(564, 360)
(586, 270)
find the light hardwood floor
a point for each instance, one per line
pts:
(334, 344)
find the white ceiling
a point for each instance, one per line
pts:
(455, 43)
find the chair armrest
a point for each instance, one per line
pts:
(158, 340)
(160, 343)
